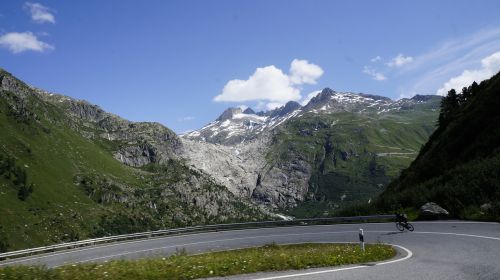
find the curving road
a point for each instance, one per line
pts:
(435, 250)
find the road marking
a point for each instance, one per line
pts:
(454, 222)
(119, 243)
(98, 247)
(458, 234)
(409, 254)
(280, 235)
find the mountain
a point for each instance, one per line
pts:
(69, 170)
(459, 167)
(235, 126)
(338, 149)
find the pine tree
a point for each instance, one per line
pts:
(449, 106)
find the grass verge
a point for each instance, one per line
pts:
(270, 257)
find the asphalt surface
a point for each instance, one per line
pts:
(435, 250)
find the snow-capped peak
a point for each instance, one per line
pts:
(236, 125)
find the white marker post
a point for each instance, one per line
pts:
(362, 240)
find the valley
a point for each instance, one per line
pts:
(74, 171)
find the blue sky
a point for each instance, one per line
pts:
(181, 63)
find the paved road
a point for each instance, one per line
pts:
(436, 250)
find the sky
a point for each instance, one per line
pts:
(181, 63)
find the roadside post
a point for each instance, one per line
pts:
(362, 240)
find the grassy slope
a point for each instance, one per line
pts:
(459, 168)
(81, 191)
(51, 158)
(343, 153)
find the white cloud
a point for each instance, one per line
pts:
(482, 42)
(308, 97)
(303, 72)
(274, 105)
(489, 66)
(40, 13)
(399, 60)
(267, 83)
(270, 84)
(376, 59)
(185, 119)
(431, 69)
(377, 76)
(21, 42)
(243, 107)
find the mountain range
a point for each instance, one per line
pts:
(339, 148)
(69, 170)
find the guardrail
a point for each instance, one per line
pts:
(216, 227)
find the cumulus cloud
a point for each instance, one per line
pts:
(303, 72)
(21, 42)
(490, 65)
(376, 59)
(377, 76)
(40, 13)
(308, 97)
(270, 84)
(267, 83)
(399, 60)
(185, 119)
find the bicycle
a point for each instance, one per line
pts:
(402, 225)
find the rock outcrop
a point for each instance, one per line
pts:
(137, 143)
(431, 210)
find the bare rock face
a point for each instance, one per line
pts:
(244, 170)
(284, 185)
(431, 210)
(236, 167)
(9, 83)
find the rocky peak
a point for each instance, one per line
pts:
(419, 97)
(228, 114)
(375, 97)
(289, 107)
(324, 96)
(249, 111)
(10, 83)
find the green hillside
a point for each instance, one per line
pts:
(353, 155)
(459, 167)
(57, 185)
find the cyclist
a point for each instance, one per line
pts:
(402, 218)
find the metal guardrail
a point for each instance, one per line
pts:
(216, 227)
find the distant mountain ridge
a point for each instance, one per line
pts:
(338, 148)
(236, 125)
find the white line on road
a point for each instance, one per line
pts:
(409, 254)
(278, 235)
(458, 234)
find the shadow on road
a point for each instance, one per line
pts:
(394, 232)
